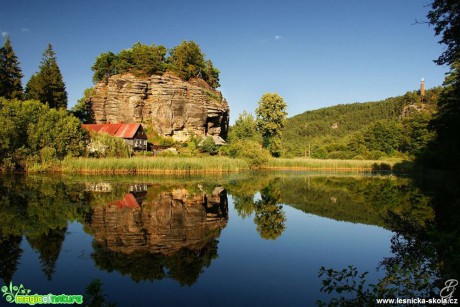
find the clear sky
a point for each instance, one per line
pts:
(313, 53)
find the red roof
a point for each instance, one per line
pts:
(128, 201)
(126, 131)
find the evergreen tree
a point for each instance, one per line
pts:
(47, 85)
(10, 72)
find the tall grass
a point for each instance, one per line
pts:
(332, 165)
(145, 165)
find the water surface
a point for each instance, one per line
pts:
(238, 239)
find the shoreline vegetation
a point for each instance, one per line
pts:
(195, 165)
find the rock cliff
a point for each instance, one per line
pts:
(170, 105)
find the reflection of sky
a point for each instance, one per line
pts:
(249, 271)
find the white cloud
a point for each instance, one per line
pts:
(278, 37)
(25, 30)
(4, 34)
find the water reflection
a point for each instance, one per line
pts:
(268, 211)
(154, 228)
(151, 236)
(424, 249)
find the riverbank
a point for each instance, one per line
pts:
(215, 164)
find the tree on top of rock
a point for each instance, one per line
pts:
(10, 72)
(187, 60)
(47, 85)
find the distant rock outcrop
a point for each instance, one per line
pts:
(171, 106)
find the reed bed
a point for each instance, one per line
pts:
(151, 165)
(329, 165)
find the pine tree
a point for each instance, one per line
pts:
(10, 72)
(47, 85)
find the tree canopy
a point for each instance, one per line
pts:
(443, 151)
(47, 85)
(32, 132)
(10, 72)
(185, 60)
(271, 118)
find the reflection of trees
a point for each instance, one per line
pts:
(269, 218)
(10, 252)
(424, 247)
(356, 199)
(39, 208)
(185, 266)
(244, 205)
(269, 215)
(49, 246)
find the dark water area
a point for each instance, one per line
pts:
(254, 239)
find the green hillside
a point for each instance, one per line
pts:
(392, 127)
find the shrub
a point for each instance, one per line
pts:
(209, 146)
(103, 145)
(250, 151)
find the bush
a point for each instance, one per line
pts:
(344, 155)
(209, 146)
(31, 131)
(375, 155)
(103, 145)
(319, 153)
(250, 151)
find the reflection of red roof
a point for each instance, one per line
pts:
(129, 201)
(126, 131)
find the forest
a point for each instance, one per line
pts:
(394, 127)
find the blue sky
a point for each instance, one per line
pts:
(313, 53)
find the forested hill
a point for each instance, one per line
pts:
(347, 131)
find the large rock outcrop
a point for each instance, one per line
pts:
(170, 105)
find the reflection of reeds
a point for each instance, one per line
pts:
(329, 165)
(144, 165)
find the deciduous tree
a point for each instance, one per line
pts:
(271, 118)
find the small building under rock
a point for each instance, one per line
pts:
(133, 134)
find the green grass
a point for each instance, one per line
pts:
(145, 165)
(333, 165)
(196, 165)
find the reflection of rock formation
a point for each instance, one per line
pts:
(169, 222)
(176, 230)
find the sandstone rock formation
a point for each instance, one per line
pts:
(170, 105)
(169, 222)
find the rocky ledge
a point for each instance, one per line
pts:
(171, 106)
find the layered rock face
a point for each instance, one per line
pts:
(173, 107)
(164, 225)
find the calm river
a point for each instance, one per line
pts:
(250, 239)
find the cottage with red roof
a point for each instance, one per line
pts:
(133, 134)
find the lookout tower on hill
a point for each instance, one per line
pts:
(422, 90)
